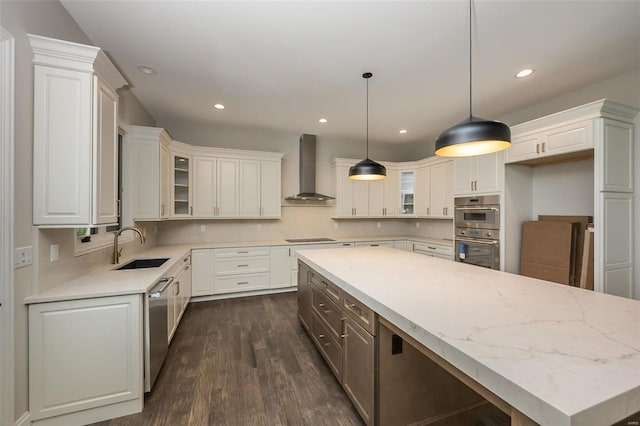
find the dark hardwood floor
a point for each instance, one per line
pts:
(245, 361)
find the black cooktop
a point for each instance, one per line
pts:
(308, 240)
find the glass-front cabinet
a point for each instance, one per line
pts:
(407, 191)
(181, 186)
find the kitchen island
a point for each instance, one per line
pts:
(547, 353)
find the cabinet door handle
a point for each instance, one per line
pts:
(537, 148)
(242, 282)
(191, 210)
(161, 209)
(177, 288)
(543, 147)
(118, 208)
(186, 268)
(472, 185)
(428, 213)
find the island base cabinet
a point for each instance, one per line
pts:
(304, 296)
(85, 360)
(414, 389)
(358, 368)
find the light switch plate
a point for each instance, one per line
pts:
(53, 249)
(22, 256)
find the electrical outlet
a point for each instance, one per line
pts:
(22, 256)
(203, 228)
(53, 250)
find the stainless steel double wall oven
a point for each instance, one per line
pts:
(477, 230)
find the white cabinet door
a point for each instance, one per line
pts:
(617, 157)
(376, 198)
(61, 147)
(228, 186)
(614, 245)
(569, 138)
(105, 153)
(249, 188)
(182, 193)
(423, 192)
(204, 186)
(271, 189)
(171, 310)
(462, 177)
(85, 354)
(391, 193)
(143, 164)
(165, 181)
(344, 192)
(279, 267)
(407, 193)
(360, 198)
(523, 148)
(441, 190)
(489, 173)
(202, 272)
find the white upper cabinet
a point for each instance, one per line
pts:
(147, 173)
(478, 175)
(384, 195)
(423, 191)
(441, 191)
(235, 184)
(352, 196)
(181, 204)
(407, 193)
(75, 147)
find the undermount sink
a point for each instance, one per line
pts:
(144, 263)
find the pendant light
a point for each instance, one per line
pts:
(474, 136)
(367, 169)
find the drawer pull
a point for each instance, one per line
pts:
(375, 245)
(243, 252)
(321, 305)
(186, 267)
(242, 266)
(326, 344)
(185, 259)
(320, 336)
(243, 282)
(327, 311)
(432, 248)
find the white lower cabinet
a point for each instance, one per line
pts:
(202, 273)
(179, 295)
(433, 250)
(280, 267)
(85, 360)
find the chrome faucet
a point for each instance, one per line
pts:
(117, 253)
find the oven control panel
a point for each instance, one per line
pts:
(488, 234)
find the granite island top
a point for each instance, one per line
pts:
(107, 281)
(561, 355)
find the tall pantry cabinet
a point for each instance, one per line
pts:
(75, 134)
(601, 132)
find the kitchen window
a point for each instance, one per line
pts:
(92, 239)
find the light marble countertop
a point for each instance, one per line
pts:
(560, 355)
(107, 281)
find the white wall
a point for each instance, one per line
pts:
(50, 19)
(563, 189)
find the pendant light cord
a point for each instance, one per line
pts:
(367, 118)
(470, 62)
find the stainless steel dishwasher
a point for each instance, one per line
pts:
(156, 344)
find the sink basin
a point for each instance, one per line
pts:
(144, 263)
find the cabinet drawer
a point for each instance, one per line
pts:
(332, 291)
(239, 283)
(327, 310)
(241, 252)
(433, 249)
(360, 313)
(242, 265)
(327, 345)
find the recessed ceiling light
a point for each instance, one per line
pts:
(146, 70)
(403, 131)
(218, 106)
(524, 73)
(323, 120)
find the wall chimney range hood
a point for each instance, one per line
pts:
(308, 172)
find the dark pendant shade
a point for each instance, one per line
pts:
(367, 170)
(474, 136)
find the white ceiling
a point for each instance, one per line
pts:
(283, 65)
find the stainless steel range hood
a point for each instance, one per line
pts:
(308, 172)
